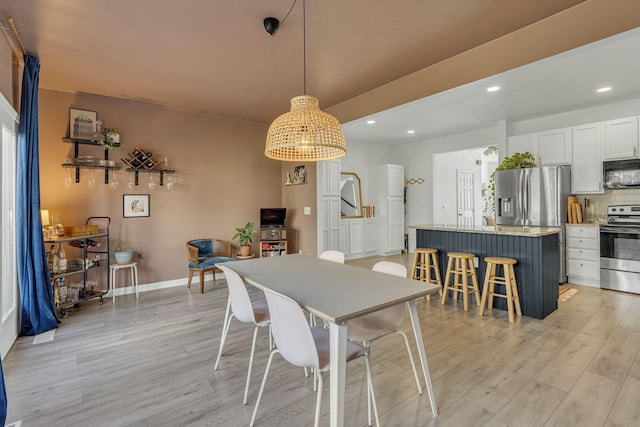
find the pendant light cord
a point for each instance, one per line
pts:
(304, 44)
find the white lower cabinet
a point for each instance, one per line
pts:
(583, 255)
(358, 237)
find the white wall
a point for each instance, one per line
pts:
(361, 155)
(445, 167)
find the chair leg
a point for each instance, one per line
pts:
(190, 277)
(371, 393)
(225, 331)
(465, 285)
(201, 282)
(516, 298)
(253, 348)
(447, 277)
(485, 290)
(316, 421)
(474, 280)
(264, 381)
(413, 364)
(508, 290)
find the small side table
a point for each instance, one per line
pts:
(113, 269)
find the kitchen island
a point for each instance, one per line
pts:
(535, 248)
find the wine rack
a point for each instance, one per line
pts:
(140, 159)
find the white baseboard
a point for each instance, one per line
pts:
(129, 289)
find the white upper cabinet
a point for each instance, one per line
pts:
(554, 147)
(522, 143)
(621, 139)
(586, 159)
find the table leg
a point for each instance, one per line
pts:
(338, 364)
(415, 322)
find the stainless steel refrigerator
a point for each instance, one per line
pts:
(535, 197)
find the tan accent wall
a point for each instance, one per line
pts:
(223, 177)
(584, 23)
(301, 228)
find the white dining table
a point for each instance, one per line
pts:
(337, 293)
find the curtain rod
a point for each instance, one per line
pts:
(14, 30)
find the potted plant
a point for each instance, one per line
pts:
(123, 251)
(244, 237)
(107, 137)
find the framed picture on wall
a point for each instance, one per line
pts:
(135, 205)
(82, 124)
(299, 175)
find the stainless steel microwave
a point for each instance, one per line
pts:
(621, 173)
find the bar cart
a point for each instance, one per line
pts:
(88, 263)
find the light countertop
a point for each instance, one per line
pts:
(492, 229)
(585, 224)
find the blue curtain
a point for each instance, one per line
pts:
(3, 399)
(38, 308)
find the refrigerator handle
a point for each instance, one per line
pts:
(527, 199)
(521, 197)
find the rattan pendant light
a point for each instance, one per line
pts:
(305, 133)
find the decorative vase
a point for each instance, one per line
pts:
(123, 257)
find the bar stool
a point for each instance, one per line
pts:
(113, 269)
(461, 265)
(425, 260)
(509, 282)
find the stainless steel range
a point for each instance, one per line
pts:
(620, 249)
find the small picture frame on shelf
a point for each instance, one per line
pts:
(82, 124)
(135, 205)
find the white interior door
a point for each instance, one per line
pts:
(9, 313)
(464, 192)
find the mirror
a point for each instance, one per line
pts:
(350, 195)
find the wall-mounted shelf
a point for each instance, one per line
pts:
(77, 166)
(141, 160)
(161, 172)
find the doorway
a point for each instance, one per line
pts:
(464, 195)
(481, 162)
(9, 313)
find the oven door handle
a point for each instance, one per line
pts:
(626, 230)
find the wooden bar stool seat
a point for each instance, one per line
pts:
(425, 267)
(509, 282)
(460, 265)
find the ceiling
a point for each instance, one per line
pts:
(564, 82)
(214, 56)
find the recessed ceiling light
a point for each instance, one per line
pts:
(370, 122)
(493, 88)
(604, 89)
(411, 131)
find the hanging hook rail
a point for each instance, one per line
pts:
(14, 30)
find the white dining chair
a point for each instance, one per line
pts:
(306, 346)
(379, 324)
(331, 255)
(246, 311)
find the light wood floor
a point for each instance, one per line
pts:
(150, 363)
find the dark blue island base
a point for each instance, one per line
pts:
(537, 269)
